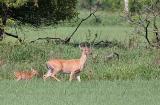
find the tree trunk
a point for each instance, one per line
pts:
(126, 7)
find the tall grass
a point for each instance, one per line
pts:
(133, 64)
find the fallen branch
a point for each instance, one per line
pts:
(48, 38)
(2, 32)
(14, 36)
(9, 34)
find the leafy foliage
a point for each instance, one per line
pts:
(46, 11)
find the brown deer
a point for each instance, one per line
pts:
(72, 66)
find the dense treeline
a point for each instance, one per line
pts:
(36, 12)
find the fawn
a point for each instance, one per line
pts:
(72, 66)
(25, 75)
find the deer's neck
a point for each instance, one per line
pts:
(82, 60)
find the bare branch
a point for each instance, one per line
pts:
(67, 40)
(146, 32)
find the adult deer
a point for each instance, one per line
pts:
(72, 66)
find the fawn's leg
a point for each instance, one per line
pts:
(19, 78)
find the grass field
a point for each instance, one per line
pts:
(104, 33)
(37, 92)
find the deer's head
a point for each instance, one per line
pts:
(86, 49)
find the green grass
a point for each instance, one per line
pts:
(82, 34)
(111, 26)
(37, 92)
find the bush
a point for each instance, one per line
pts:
(48, 11)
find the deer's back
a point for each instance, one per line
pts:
(65, 65)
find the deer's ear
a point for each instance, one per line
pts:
(81, 46)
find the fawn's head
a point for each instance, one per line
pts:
(35, 72)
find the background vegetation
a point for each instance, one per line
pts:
(109, 31)
(131, 79)
(37, 12)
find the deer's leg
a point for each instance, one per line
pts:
(53, 75)
(71, 76)
(78, 77)
(48, 74)
(55, 78)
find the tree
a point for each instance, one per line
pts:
(143, 15)
(36, 12)
(126, 7)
